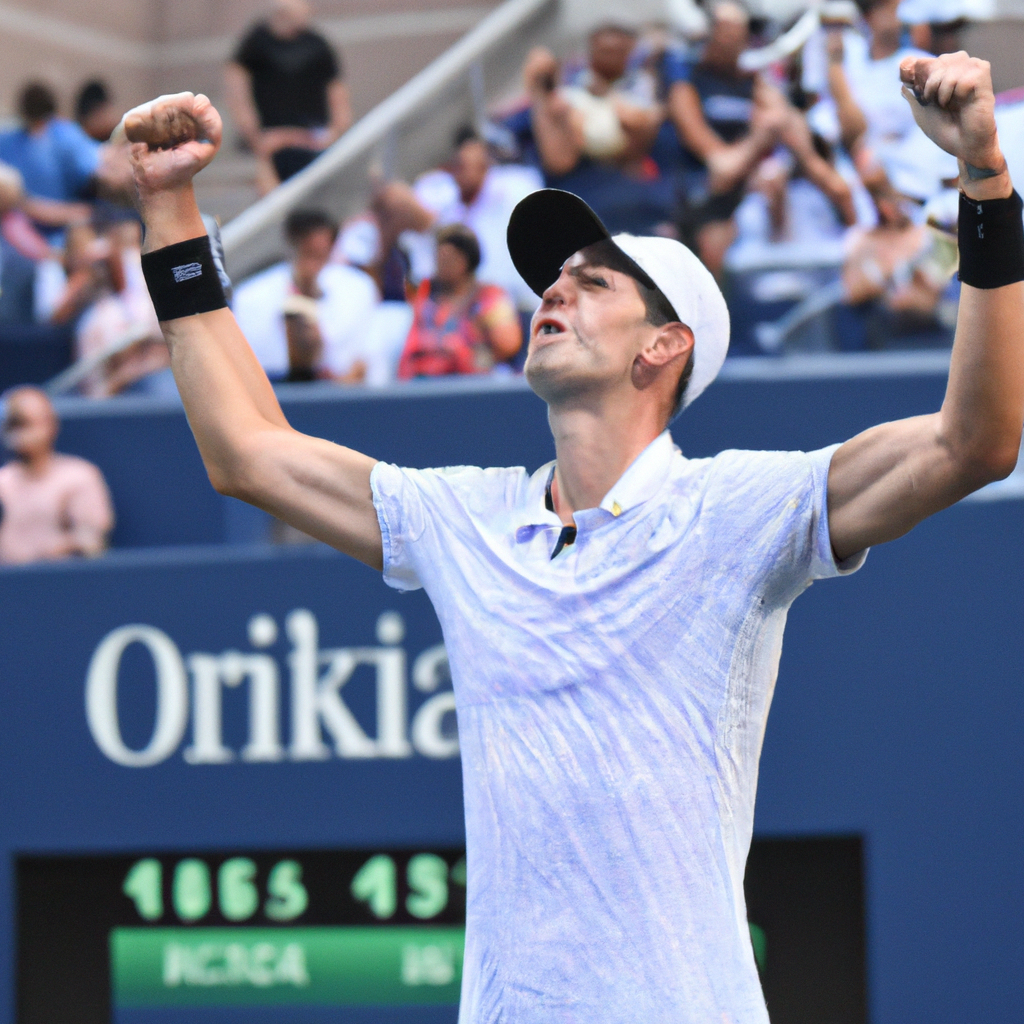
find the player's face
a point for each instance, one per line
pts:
(586, 335)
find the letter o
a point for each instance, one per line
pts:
(171, 696)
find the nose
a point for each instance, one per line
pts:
(558, 293)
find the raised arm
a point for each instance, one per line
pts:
(249, 450)
(886, 480)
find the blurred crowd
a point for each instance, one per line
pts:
(784, 155)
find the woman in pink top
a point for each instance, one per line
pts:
(54, 506)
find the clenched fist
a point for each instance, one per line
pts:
(170, 139)
(954, 103)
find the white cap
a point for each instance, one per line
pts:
(695, 296)
(549, 226)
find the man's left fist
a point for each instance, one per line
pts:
(953, 102)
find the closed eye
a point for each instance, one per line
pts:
(586, 278)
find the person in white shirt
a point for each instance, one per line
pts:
(342, 298)
(480, 195)
(863, 83)
(613, 621)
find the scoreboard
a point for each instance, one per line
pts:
(369, 935)
(106, 938)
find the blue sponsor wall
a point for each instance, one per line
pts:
(898, 716)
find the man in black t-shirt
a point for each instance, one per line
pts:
(286, 92)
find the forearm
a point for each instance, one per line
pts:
(852, 122)
(238, 93)
(225, 392)
(340, 108)
(693, 130)
(559, 141)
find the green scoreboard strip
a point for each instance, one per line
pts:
(276, 937)
(358, 966)
(98, 935)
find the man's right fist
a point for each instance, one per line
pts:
(171, 139)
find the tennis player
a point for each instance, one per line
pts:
(614, 621)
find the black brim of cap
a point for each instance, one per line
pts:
(545, 229)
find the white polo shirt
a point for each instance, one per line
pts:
(611, 704)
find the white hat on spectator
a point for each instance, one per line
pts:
(549, 226)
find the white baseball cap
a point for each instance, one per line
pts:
(549, 226)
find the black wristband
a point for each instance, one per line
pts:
(183, 280)
(991, 236)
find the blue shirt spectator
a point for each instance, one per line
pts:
(55, 157)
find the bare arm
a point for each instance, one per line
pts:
(728, 163)
(238, 96)
(852, 122)
(557, 128)
(886, 480)
(248, 448)
(339, 108)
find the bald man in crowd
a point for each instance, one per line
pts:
(54, 506)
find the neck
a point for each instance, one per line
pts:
(37, 463)
(593, 450)
(884, 45)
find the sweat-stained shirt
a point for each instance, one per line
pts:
(611, 704)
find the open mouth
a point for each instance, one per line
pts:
(548, 327)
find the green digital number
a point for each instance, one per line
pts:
(288, 897)
(428, 881)
(458, 873)
(375, 884)
(191, 890)
(237, 896)
(143, 885)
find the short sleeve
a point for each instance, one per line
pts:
(436, 523)
(767, 520)
(824, 563)
(400, 515)
(82, 155)
(675, 68)
(331, 62)
(248, 52)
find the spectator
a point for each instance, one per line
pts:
(593, 136)
(728, 122)
(476, 193)
(459, 325)
(325, 335)
(95, 112)
(54, 506)
(871, 111)
(286, 92)
(57, 162)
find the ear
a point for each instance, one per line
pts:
(669, 347)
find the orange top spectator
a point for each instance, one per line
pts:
(459, 325)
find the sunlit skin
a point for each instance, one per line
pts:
(312, 254)
(599, 365)
(30, 429)
(469, 169)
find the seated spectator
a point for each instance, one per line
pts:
(459, 325)
(95, 111)
(100, 288)
(728, 122)
(593, 135)
(475, 192)
(54, 506)
(286, 92)
(326, 333)
(57, 162)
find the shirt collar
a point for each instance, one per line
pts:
(638, 484)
